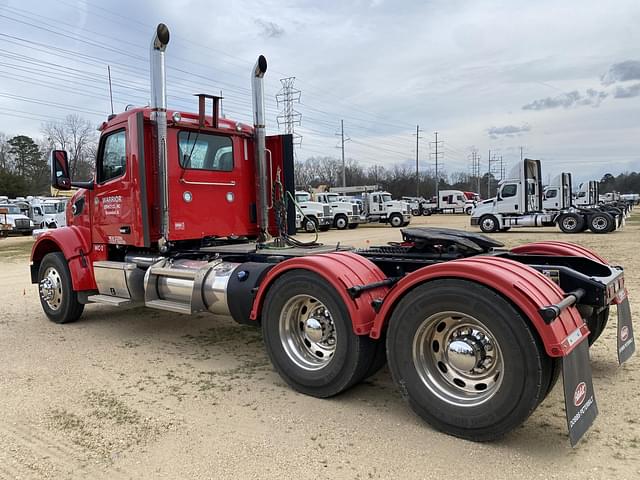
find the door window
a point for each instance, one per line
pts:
(509, 190)
(551, 193)
(113, 162)
(203, 151)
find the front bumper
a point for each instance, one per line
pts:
(355, 219)
(475, 221)
(325, 221)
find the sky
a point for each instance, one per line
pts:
(562, 82)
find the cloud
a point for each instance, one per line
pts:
(570, 99)
(621, 72)
(508, 131)
(269, 29)
(627, 92)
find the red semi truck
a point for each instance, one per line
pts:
(188, 213)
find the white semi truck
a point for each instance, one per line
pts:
(520, 202)
(312, 216)
(450, 201)
(379, 206)
(345, 214)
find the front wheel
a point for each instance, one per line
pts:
(489, 224)
(466, 360)
(57, 297)
(468, 210)
(415, 212)
(309, 338)
(310, 224)
(341, 222)
(396, 220)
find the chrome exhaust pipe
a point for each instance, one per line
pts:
(257, 89)
(159, 115)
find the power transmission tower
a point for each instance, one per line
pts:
(438, 155)
(493, 161)
(289, 117)
(342, 142)
(418, 138)
(475, 166)
(502, 167)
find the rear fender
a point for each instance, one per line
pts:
(75, 244)
(342, 270)
(558, 248)
(527, 289)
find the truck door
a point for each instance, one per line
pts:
(507, 198)
(375, 203)
(112, 207)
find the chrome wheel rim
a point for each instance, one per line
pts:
(458, 359)
(396, 221)
(307, 332)
(309, 226)
(488, 224)
(51, 288)
(569, 223)
(341, 223)
(600, 223)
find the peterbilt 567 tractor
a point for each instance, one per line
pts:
(186, 214)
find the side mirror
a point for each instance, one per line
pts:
(60, 175)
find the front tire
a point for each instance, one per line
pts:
(489, 224)
(310, 224)
(341, 222)
(309, 337)
(466, 360)
(57, 297)
(396, 220)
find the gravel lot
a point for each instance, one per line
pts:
(147, 394)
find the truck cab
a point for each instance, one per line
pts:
(345, 215)
(558, 195)
(17, 221)
(380, 207)
(313, 216)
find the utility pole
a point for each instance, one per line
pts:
(501, 168)
(437, 155)
(342, 142)
(489, 176)
(418, 137)
(521, 153)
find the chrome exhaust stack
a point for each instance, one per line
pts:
(257, 89)
(159, 115)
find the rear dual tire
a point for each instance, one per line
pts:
(571, 223)
(435, 334)
(309, 338)
(602, 222)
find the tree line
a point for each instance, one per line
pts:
(24, 161)
(400, 179)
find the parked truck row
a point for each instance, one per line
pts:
(24, 215)
(522, 201)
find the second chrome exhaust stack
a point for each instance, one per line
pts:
(159, 44)
(257, 89)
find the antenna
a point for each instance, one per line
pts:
(110, 91)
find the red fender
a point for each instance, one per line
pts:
(525, 287)
(342, 270)
(558, 248)
(75, 244)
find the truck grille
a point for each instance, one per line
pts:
(326, 209)
(22, 223)
(355, 209)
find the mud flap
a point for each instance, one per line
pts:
(579, 398)
(626, 341)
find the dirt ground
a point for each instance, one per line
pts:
(148, 394)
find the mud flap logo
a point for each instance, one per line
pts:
(579, 398)
(580, 394)
(626, 342)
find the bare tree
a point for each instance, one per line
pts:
(78, 137)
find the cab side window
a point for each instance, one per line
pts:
(509, 190)
(113, 157)
(551, 193)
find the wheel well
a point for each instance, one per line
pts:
(41, 249)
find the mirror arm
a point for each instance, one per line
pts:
(86, 185)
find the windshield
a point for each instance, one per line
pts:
(11, 209)
(302, 197)
(332, 198)
(386, 197)
(49, 208)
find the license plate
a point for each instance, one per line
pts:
(579, 397)
(626, 340)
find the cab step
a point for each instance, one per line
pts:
(110, 300)
(169, 306)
